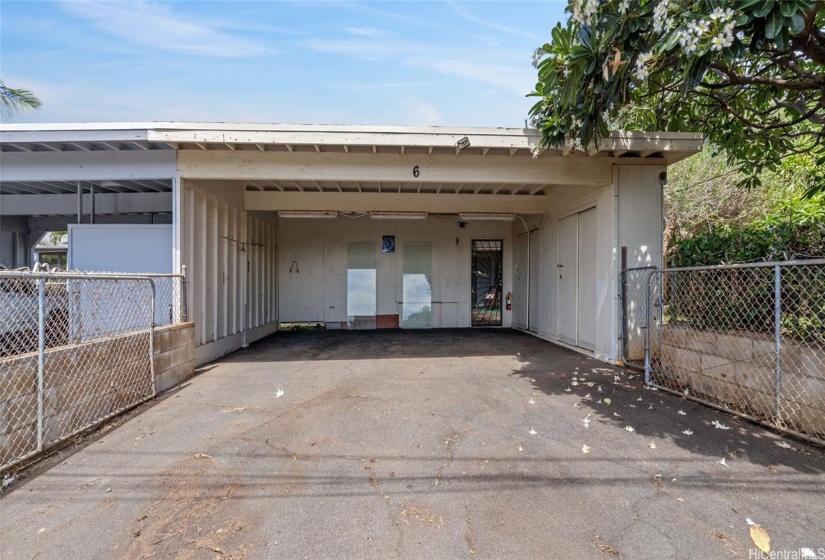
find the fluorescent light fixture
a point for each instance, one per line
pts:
(306, 214)
(486, 217)
(398, 215)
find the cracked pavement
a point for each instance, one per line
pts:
(399, 444)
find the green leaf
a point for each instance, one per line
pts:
(773, 23)
(764, 8)
(796, 23)
(788, 7)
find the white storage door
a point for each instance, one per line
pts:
(587, 280)
(566, 268)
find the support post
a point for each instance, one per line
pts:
(184, 308)
(777, 309)
(41, 355)
(647, 330)
(79, 202)
(92, 209)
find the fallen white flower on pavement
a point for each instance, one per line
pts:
(279, 393)
(586, 421)
(784, 445)
(532, 432)
(531, 401)
(599, 389)
(576, 405)
(617, 414)
(599, 401)
(615, 379)
(629, 429)
(575, 378)
(650, 407)
(688, 432)
(723, 463)
(520, 449)
(590, 383)
(719, 425)
(587, 396)
(585, 449)
(687, 392)
(567, 390)
(682, 413)
(651, 388)
(574, 383)
(639, 399)
(652, 445)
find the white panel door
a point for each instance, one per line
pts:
(520, 287)
(566, 270)
(586, 289)
(535, 268)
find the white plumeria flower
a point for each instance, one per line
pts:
(520, 449)
(599, 389)
(650, 407)
(723, 463)
(784, 445)
(585, 449)
(587, 396)
(567, 390)
(576, 405)
(532, 432)
(279, 393)
(682, 413)
(586, 421)
(629, 429)
(652, 445)
(531, 401)
(688, 432)
(574, 383)
(639, 399)
(719, 425)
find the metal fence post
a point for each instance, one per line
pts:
(647, 330)
(777, 310)
(184, 307)
(41, 355)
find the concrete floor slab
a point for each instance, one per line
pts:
(417, 444)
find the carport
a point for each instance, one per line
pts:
(371, 227)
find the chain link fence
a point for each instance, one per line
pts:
(76, 349)
(634, 320)
(749, 339)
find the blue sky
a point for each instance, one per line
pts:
(405, 63)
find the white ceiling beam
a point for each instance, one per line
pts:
(231, 146)
(48, 147)
(513, 151)
(346, 148)
(288, 147)
(202, 146)
(484, 151)
(618, 153)
(437, 168)
(99, 165)
(402, 150)
(646, 153)
(19, 146)
(261, 147)
(394, 202)
(317, 148)
(66, 204)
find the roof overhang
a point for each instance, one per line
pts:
(666, 147)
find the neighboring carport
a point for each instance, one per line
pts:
(452, 443)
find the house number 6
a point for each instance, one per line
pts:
(415, 171)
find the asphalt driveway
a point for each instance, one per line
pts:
(438, 444)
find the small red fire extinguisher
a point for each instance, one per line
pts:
(509, 301)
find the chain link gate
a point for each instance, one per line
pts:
(75, 350)
(749, 339)
(633, 309)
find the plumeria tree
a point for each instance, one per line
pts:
(749, 74)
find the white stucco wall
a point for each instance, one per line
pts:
(318, 248)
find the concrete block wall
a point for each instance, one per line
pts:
(174, 354)
(739, 369)
(83, 383)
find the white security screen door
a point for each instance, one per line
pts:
(577, 279)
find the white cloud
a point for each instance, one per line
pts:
(421, 113)
(156, 26)
(464, 14)
(515, 79)
(367, 32)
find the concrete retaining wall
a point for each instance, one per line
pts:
(739, 369)
(83, 383)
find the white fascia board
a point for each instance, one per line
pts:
(88, 166)
(66, 204)
(71, 135)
